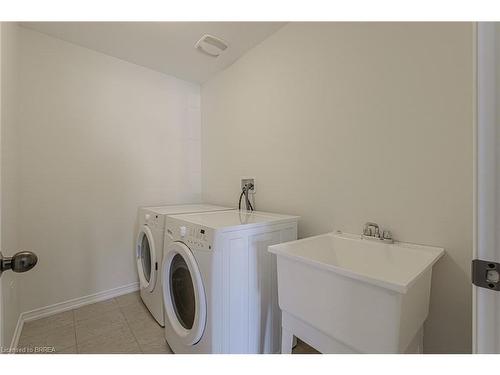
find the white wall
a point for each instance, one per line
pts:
(347, 123)
(9, 193)
(98, 137)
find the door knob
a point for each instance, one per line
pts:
(20, 262)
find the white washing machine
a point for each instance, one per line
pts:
(149, 251)
(220, 283)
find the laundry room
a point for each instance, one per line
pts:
(209, 187)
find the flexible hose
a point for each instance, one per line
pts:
(244, 192)
(239, 202)
(247, 199)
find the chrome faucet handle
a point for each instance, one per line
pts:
(367, 230)
(387, 235)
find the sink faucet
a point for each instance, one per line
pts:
(372, 231)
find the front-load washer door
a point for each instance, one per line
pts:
(147, 265)
(183, 294)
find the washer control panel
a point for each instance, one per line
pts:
(196, 237)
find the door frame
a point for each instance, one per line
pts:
(2, 344)
(486, 339)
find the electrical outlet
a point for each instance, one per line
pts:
(245, 181)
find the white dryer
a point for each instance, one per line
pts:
(220, 282)
(149, 251)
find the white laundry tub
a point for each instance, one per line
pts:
(344, 294)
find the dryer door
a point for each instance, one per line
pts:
(183, 293)
(147, 265)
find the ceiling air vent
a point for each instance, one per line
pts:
(211, 45)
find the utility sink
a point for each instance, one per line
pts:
(341, 293)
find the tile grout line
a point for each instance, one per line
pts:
(92, 317)
(97, 316)
(129, 327)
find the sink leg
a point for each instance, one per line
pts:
(286, 341)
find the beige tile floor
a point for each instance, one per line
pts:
(118, 325)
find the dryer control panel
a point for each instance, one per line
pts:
(154, 221)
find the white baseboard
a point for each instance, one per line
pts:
(68, 305)
(17, 333)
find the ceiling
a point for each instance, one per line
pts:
(167, 47)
